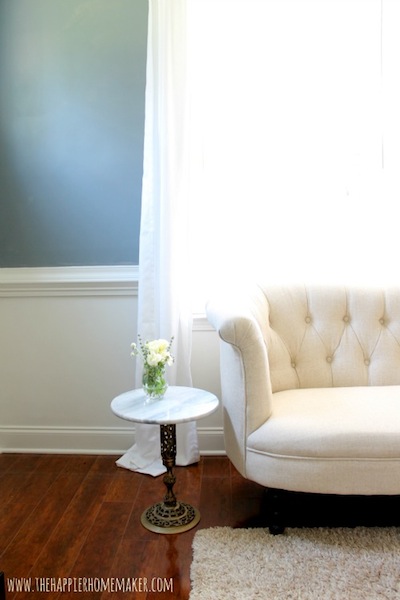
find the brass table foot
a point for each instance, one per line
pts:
(161, 518)
(169, 516)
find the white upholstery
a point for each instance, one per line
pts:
(310, 381)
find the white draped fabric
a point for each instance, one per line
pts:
(164, 308)
(272, 143)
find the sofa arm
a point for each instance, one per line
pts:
(244, 368)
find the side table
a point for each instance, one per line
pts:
(179, 405)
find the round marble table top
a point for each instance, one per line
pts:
(179, 405)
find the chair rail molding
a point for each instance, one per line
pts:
(114, 280)
(69, 281)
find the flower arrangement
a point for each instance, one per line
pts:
(156, 355)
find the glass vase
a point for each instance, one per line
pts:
(154, 382)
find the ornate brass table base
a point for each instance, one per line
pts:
(169, 516)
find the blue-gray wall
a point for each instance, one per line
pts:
(72, 87)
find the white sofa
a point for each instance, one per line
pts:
(310, 381)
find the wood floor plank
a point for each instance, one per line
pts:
(216, 502)
(62, 549)
(188, 483)
(24, 462)
(12, 516)
(216, 466)
(66, 463)
(124, 486)
(167, 576)
(131, 568)
(104, 464)
(97, 555)
(32, 487)
(6, 462)
(19, 557)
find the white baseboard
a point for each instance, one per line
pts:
(90, 440)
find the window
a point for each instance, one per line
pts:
(294, 140)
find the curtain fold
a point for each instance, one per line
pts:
(164, 303)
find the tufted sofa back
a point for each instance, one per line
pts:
(319, 336)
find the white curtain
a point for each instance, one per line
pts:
(164, 308)
(272, 146)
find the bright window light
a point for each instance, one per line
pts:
(294, 140)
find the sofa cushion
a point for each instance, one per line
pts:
(332, 423)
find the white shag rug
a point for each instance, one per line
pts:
(302, 564)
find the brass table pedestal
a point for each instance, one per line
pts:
(169, 516)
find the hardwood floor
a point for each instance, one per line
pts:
(70, 523)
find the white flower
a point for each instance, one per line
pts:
(154, 353)
(153, 359)
(158, 346)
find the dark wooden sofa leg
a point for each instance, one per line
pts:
(2, 586)
(275, 514)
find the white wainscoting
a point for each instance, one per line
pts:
(65, 353)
